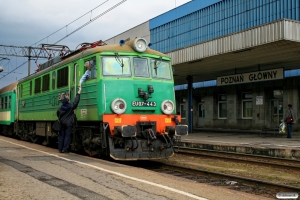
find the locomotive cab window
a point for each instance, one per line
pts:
(140, 67)
(160, 69)
(116, 66)
(93, 68)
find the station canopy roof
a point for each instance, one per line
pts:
(269, 46)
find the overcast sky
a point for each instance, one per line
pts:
(27, 22)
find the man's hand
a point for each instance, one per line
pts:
(79, 85)
(79, 90)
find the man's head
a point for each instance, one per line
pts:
(65, 101)
(87, 65)
(290, 105)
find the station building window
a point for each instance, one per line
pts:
(183, 110)
(222, 106)
(37, 86)
(1, 103)
(183, 107)
(247, 105)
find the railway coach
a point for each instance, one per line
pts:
(8, 109)
(127, 108)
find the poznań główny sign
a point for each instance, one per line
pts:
(267, 75)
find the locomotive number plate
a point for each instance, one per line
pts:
(143, 103)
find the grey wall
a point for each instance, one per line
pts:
(141, 30)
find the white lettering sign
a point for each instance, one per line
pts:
(267, 75)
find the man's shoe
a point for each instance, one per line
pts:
(65, 151)
(60, 151)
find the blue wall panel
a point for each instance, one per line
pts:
(199, 21)
(180, 12)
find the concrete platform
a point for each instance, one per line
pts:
(242, 141)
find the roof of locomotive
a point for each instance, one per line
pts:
(9, 88)
(114, 48)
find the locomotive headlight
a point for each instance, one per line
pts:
(118, 106)
(140, 44)
(167, 107)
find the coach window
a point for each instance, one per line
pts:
(9, 101)
(53, 80)
(46, 82)
(247, 105)
(222, 106)
(140, 67)
(63, 77)
(5, 102)
(37, 84)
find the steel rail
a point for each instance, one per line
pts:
(282, 163)
(246, 181)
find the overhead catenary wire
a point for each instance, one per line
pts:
(14, 69)
(90, 21)
(70, 22)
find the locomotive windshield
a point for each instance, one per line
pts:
(160, 69)
(140, 67)
(112, 67)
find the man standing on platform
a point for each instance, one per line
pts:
(66, 115)
(290, 118)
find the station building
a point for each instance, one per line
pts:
(236, 62)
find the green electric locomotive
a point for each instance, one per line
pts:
(127, 108)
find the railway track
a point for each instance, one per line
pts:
(281, 163)
(239, 183)
(229, 181)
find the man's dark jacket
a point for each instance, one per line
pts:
(67, 117)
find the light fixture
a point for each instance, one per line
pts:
(140, 44)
